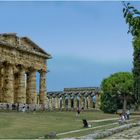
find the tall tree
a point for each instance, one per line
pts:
(118, 86)
(132, 18)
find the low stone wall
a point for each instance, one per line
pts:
(19, 107)
(110, 132)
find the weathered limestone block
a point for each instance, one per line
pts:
(31, 87)
(42, 92)
(21, 96)
(8, 88)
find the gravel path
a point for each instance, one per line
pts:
(133, 133)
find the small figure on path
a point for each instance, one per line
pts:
(121, 119)
(78, 111)
(128, 114)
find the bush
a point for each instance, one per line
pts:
(108, 103)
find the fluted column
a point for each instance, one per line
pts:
(75, 102)
(97, 104)
(69, 103)
(42, 91)
(85, 103)
(89, 102)
(57, 102)
(53, 102)
(63, 102)
(80, 103)
(31, 87)
(8, 88)
(1, 84)
(21, 93)
(50, 101)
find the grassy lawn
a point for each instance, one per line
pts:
(33, 125)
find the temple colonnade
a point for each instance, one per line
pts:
(73, 98)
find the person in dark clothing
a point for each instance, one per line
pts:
(85, 123)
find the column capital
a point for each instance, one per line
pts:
(42, 71)
(6, 63)
(31, 69)
(20, 67)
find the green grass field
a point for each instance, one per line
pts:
(34, 125)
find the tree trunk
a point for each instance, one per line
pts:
(124, 103)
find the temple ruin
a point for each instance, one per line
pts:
(72, 98)
(20, 59)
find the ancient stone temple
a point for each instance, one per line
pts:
(72, 98)
(20, 59)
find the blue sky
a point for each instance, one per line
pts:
(87, 40)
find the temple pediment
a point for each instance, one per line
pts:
(23, 43)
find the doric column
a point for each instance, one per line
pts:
(21, 92)
(42, 90)
(53, 103)
(69, 103)
(8, 87)
(57, 102)
(97, 104)
(75, 102)
(50, 101)
(85, 103)
(89, 102)
(80, 101)
(63, 102)
(31, 87)
(1, 84)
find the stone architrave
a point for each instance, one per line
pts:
(31, 87)
(21, 91)
(8, 84)
(42, 91)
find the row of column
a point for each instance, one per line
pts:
(63, 103)
(20, 87)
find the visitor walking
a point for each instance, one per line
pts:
(121, 119)
(78, 111)
(128, 114)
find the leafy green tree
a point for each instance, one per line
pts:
(108, 103)
(132, 18)
(117, 86)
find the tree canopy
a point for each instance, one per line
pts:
(117, 85)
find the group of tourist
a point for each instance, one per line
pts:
(124, 116)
